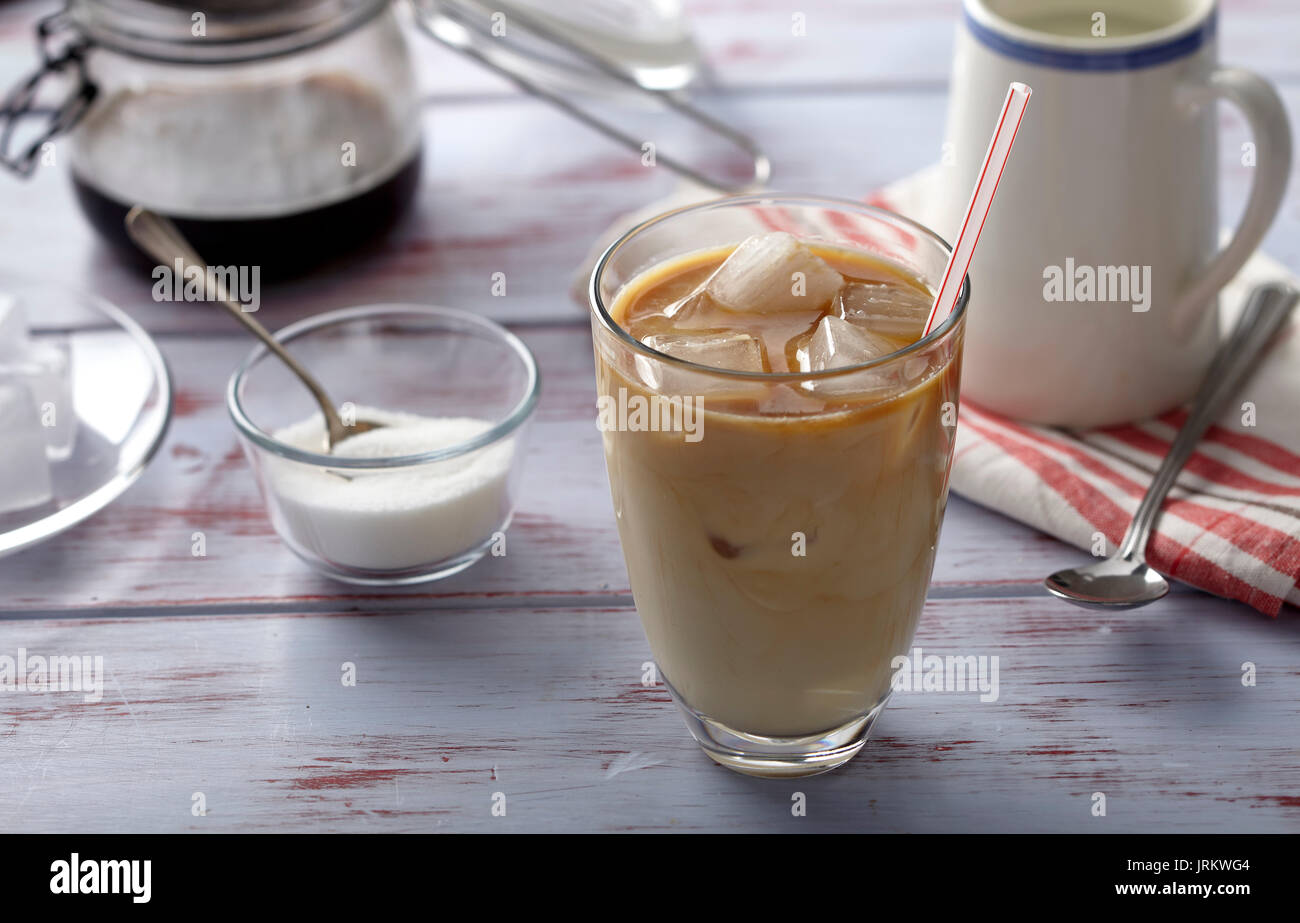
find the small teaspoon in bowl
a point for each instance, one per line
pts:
(1124, 581)
(161, 239)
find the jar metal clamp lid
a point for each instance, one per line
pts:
(60, 57)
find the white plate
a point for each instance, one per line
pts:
(122, 398)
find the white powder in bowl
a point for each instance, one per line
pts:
(391, 518)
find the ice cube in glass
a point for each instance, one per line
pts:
(893, 310)
(773, 273)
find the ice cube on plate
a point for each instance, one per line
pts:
(13, 327)
(837, 344)
(771, 273)
(892, 310)
(738, 352)
(24, 472)
(45, 369)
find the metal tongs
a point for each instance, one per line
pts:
(465, 26)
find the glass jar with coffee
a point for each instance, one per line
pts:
(273, 133)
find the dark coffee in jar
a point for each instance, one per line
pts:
(280, 176)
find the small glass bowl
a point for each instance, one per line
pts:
(396, 519)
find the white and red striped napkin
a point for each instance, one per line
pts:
(1231, 525)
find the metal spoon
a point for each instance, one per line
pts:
(159, 238)
(1124, 581)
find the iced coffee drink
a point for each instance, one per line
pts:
(778, 436)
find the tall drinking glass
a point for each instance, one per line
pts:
(779, 529)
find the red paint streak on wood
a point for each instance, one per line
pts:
(1286, 801)
(348, 778)
(750, 51)
(604, 170)
(219, 515)
(186, 403)
(248, 520)
(643, 694)
(34, 713)
(234, 458)
(213, 698)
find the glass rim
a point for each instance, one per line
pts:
(939, 332)
(518, 415)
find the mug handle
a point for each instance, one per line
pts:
(1271, 131)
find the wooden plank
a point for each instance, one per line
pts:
(137, 553)
(546, 706)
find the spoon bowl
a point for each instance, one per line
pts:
(1115, 583)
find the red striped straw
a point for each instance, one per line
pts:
(995, 161)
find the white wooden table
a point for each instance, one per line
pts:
(523, 674)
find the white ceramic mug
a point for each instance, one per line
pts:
(1114, 178)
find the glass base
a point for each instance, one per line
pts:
(408, 577)
(777, 757)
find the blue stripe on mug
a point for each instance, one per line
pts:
(1114, 60)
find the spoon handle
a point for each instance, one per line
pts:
(158, 237)
(1264, 315)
